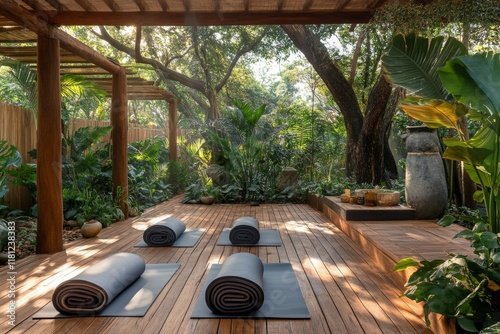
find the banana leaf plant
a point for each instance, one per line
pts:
(461, 287)
(471, 87)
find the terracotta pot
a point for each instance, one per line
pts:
(90, 229)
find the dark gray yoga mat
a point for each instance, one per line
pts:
(245, 231)
(164, 233)
(187, 239)
(133, 301)
(282, 296)
(238, 287)
(268, 237)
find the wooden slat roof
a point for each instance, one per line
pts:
(137, 88)
(201, 12)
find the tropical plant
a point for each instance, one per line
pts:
(242, 144)
(459, 287)
(148, 172)
(85, 204)
(19, 88)
(466, 85)
(9, 158)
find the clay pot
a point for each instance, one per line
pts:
(90, 229)
(207, 200)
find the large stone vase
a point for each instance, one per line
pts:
(425, 180)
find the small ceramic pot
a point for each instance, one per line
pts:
(90, 229)
(207, 200)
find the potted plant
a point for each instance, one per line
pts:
(460, 287)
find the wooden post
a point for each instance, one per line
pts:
(172, 129)
(49, 169)
(119, 135)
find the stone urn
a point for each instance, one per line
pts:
(91, 229)
(425, 179)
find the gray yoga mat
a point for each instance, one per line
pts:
(282, 296)
(164, 233)
(238, 287)
(268, 237)
(245, 231)
(134, 301)
(187, 239)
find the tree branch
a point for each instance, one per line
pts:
(136, 54)
(245, 49)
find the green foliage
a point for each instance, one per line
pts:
(10, 160)
(19, 88)
(479, 17)
(4, 234)
(459, 287)
(242, 145)
(312, 142)
(86, 204)
(178, 175)
(471, 81)
(414, 62)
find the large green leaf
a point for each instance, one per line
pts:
(9, 156)
(460, 151)
(474, 80)
(434, 113)
(412, 62)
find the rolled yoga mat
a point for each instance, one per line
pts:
(92, 290)
(164, 233)
(245, 231)
(238, 288)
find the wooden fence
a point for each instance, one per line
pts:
(18, 128)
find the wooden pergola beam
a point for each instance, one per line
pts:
(119, 135)
(49, 167)
(49, 177)
(25, 18)
(192, 18)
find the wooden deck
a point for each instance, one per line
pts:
(345, 288)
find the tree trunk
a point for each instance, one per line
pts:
(365, 136)
(369, 166)
(213, 112)
(342, 92)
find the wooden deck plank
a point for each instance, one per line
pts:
(343, 276)
(344, 291)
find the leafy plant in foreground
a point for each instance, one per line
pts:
(459, 287)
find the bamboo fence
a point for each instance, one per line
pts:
(18, 128)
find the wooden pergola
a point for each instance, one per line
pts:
(42, 17)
